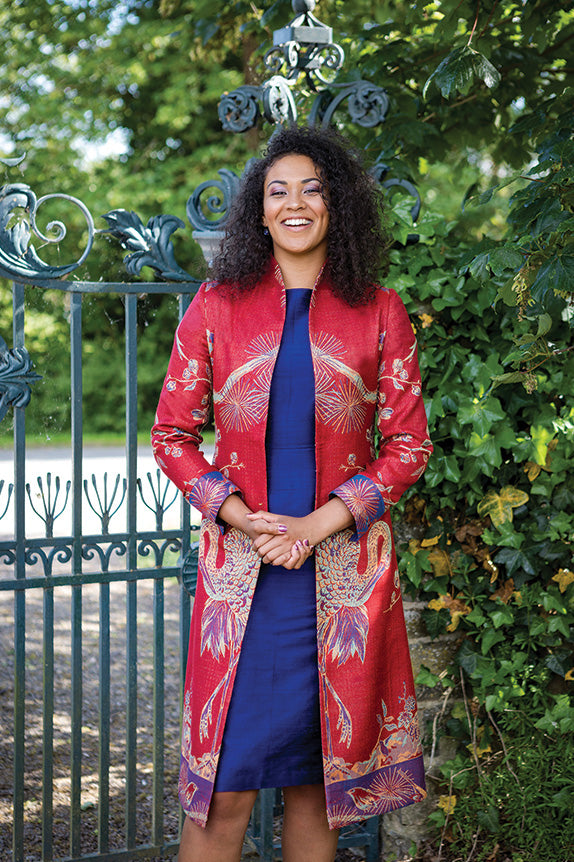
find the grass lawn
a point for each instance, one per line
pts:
(62, 440)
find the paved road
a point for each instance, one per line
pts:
(97, 462)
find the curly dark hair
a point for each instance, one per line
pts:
(357, 245)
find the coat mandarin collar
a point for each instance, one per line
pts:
(274, 272)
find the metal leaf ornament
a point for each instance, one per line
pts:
(16, 375)
(149, 245)
(200, 212)
(18, 258)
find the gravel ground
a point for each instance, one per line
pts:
(62, 703)
(90, 735)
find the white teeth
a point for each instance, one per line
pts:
(297, 221)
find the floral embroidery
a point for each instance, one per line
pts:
(208, 493)
(242, 401)
(341, 397)
(342, 619)
(400, 376)
(229, 588)
(363, 499)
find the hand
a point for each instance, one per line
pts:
(288, 547)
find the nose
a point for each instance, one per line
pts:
(295, 200)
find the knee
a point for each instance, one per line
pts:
(307, 800)
(231, 808)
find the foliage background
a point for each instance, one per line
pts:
(116, 102)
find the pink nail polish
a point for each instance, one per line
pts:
(282, 528)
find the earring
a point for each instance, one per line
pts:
(265, 231)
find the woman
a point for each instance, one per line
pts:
(299, 673)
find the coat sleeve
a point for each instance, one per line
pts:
(404, 445)
(183, 411)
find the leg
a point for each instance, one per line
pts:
(222, 838)
(306, 833)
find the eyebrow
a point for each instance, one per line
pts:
(303, 182)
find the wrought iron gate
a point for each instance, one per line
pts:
(113, 551)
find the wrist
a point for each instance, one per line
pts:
(330, 518)
(315, 528)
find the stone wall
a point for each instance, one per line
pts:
(407, 825)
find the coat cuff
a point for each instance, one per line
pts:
(208, 493)
(364, 501)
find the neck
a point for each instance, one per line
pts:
(300, 272)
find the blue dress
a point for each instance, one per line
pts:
(272, 735)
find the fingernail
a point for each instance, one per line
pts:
(281, 528)
(306, 542)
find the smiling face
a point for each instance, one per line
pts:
(295, 212)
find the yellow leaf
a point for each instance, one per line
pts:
(455, 607)
(455, 617)
(480, 750)
(436, 604)
(513, 496)
(426, 320)
(569, 675)
(440, 562)
(428, 543)
(499, 506)
(563, 578)
(447, 803)
(490, 567)
(532, 470)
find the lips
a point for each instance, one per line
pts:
(297, 222)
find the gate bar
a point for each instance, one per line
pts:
(19, 598)
(76, 609)
(132, 562)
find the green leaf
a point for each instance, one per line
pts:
(427, 677)
(458, 69)
(436, 621)
(502, 616)
(484, 446)
(479, 266)
(489, 819)
(505, 258)
(544, 324)
(515, 561)
(476, 617)
(489, 639)
(509, 377)
(557, 274)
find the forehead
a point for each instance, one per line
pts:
(292, 167)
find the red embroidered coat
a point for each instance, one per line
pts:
(366, 375)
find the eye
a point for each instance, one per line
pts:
(313, 190)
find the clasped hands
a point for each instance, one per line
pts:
(280, 540)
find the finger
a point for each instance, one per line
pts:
(276, 559)
(265, 516)
(297, 556)
(267, 542)
(269, 527)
